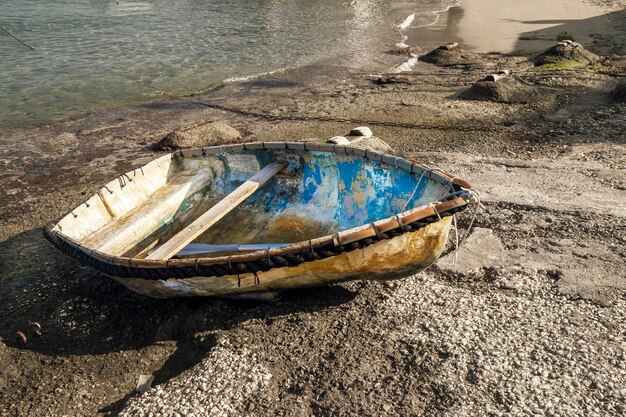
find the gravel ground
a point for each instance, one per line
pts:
(523, 350)
(234, 371)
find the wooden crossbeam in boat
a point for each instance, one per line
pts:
(215, 213)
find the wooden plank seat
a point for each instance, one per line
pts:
(128, 230)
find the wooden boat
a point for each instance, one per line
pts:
(251, 220)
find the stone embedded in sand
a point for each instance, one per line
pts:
(361, 137)
(144, 383)
(482, 249)
(66, 140)
(361, 131)
(373, 143)
(449, 55)
(393, 79)
(505, 89)
(207, 134)
(619, 94)
(410, 50)
(579, 282)
(566, 51)
(339, 140)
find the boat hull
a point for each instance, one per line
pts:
(385, 260)
(350, 213)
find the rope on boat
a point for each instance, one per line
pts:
(456, 240)
(436, 211)
(417, 184)
(238, 268)
(478, 205)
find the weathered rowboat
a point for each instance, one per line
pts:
(251, 220)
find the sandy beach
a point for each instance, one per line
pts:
(530, 321)
(529, 26)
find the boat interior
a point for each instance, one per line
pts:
(211, 202)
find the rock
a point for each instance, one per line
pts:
(339, 140)
(505, 89)
(208, 134)
(482, 249)
(410, 50)
(361, 137)
(66, 140)
(619, 94)
(566, 51)
(449, 55)
(361, 131)
(393, 79)
(374, 144)
(578, 283)
(508, 284)
(144, 383)
(21, 338)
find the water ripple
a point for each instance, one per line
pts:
(91, 54)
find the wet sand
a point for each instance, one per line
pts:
(529, 321)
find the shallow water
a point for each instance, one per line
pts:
(90, 54)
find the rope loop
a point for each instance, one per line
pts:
(436, 211)
(399, 220)
(312, 250)
(267, 258)
(377, 231)
(456, 241)
(338, 241)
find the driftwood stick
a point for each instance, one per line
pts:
(20, 41)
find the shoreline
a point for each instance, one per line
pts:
(463, 23)
(383, 59)
(358, 51)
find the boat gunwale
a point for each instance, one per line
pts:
(349, 239)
